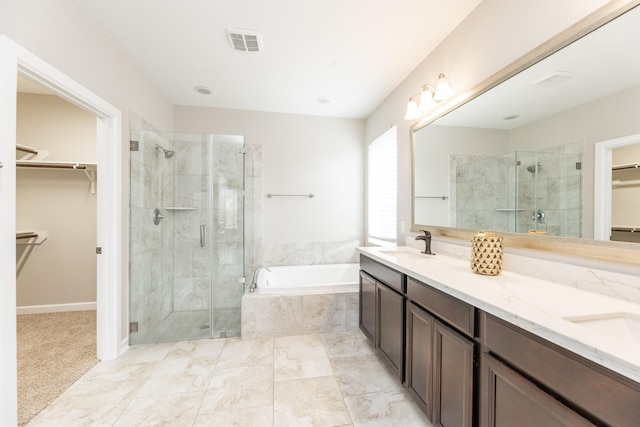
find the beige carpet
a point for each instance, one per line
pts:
(54, 350)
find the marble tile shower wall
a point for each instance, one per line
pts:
(151, 272)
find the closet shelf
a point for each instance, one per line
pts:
(31, 237)
(89, 168)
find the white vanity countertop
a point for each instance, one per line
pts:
(538, 306)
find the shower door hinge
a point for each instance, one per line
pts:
(133, 145)
(243, 151)
(98, 250)
(133, 327)
(578, 166)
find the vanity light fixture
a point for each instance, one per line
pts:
(429, 97)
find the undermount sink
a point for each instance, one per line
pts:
(618, 326)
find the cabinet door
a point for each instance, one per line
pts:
(507, 399)
(368, 306)
(419, 352)
(390, 326)
(453, 378)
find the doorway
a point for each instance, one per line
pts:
(16, 60)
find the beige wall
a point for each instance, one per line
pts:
(492, 36)
(301, 154)
(62, 269)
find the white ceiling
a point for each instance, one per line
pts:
(354, 52)
(602, 63)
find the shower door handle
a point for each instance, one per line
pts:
(203, 228)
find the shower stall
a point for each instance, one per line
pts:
(186, 235)
(534, 192)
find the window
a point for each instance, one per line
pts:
(382, 189)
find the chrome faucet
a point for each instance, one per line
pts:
(253, 284)
(427, 241)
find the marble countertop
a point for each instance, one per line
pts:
(542, 307)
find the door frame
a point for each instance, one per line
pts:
(602, 183)
(15, 60)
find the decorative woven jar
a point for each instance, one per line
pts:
(486, 253)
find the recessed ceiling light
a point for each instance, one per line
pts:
(511, 117)
(203, 90)
(323, 100)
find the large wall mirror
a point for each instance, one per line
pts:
(522, 155)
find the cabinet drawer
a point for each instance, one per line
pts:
(382, 273)
(605, 394)
(448, 308)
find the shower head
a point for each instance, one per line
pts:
(167, 153)
(534, 168)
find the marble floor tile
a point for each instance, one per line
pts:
(177, 410)
(300, 357)
(88, 403)
(364, 374)
(295, 381)
(309, 402)
(347, 344)
(237, 353)
(385, 409)
(242, 387)
(259, 416)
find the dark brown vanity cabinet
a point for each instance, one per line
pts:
(367, 310)
(440, 355)
(509, 399)
(522, 373)
(382, 311)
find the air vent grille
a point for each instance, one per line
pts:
(244, 40)
(553, 78)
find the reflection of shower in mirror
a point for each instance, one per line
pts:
(534, 168)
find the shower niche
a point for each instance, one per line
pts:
(521, 191)
(186, 235)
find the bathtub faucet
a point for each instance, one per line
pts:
(253, 284)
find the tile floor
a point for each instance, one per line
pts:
(195, 324)
(311, 380)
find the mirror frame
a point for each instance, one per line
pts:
(596, 249)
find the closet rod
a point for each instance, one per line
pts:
(629, 166)
(26, 149)
(51, 166)
(26, 235)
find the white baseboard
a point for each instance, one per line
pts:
(56, 308)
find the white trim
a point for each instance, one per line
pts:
(56, 308)
(602, 184)
(8, 359)
(13, 60)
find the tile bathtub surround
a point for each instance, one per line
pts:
(265, 315)
(313, 380)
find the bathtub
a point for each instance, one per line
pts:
(308, 279)
(302, 300)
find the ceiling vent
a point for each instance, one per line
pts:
(553, 78)
(244, 40)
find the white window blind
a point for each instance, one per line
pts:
(382, 189)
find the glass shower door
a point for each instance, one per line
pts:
(186, 236)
